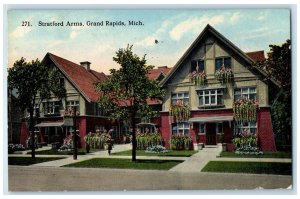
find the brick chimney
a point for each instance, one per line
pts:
(86, 65)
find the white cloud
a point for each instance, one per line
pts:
(148, 41)
(104, 48)
(54, 43)
(235, 17)
(73, 34)
(20, 31)
(194, 25)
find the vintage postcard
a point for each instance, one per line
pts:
(149, 100)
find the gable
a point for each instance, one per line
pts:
(209, 45)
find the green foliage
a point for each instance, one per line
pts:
(97, 141)
(179, 111)
(180, 142)
(198, 78)
(33, 79)
(145, 140)
(224, 75)
(243, 140)
(245, 110)
(128, 89)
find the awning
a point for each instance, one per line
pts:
(50, 124)
(211, 119)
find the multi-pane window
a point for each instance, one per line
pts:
(184, 96)
(181, 128)
(201, 127)
(197, 63)
(245, 127)
(245, 93)
(211, 97)
(72, 103)
(222, 61)
(52, 107)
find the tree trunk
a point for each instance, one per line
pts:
(32, 137)
(133, 125)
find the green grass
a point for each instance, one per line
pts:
(172, 153)
(277, 154)
(126, 164)
(56, 152)
(249, 167)
(25, 161)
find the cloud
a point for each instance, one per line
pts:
(235, 17)
(148, 41)
(75, 31)
(194, 25)
(20, 31)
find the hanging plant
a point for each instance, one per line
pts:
(180, 142)
(245, 110)
(180, 111)
(198, 77)
(224, 75)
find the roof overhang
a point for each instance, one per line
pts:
(49, 124)
(211, 119)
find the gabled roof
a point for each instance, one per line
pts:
(83, 80)
(155, 73)
(256, 56)
(210, 30)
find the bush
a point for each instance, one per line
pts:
(145, 140)
(67, 144)
(180, 142)
(97, 141)
(246, 143)
(15, 147)
(156, 149)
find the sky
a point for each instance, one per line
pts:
(175, 30)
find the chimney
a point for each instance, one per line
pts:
(162, 67)
(86, 65)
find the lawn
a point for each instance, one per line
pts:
(25, 161)
(249, 167)
(172, 153)
(56, 152)
(126, 164)
(277, 154)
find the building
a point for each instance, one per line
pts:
(205, 82)
(203, 92)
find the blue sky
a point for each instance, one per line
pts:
(249, 29)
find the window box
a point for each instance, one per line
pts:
(180, 111)
(224, 75)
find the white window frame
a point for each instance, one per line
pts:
(241, 127)
(184, 126)
(245, 92)
(54, 105)
(184, 96)
(199, 130)
(204, 94)
(217, 127)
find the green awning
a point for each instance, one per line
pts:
(211, 119)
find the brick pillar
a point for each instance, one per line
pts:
(165, 128)
(82, 129)
(266, 139)
(23, 132)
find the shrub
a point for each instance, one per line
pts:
(145, 140)
(246, 143)
(180, 142)
(67, 144)
(156, 149)
(15, 147)
(97, 141)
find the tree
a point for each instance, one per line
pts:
(278, 67)
(124, 95)
(32, 80)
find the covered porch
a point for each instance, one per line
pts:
(211, 130)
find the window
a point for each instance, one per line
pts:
(202, 127)
(245, 93)
(62, 81)
(181, 128)
(199, 63)
(36, 111)
(211, 97)
(219, 128)
(222, 61)
(180, 96)
(51, 108)
(245, 127)
(72, 103)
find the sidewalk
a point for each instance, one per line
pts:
(190, 164)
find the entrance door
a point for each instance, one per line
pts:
(211, 134)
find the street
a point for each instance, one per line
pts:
(24, 178)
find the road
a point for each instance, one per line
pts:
(24, 178)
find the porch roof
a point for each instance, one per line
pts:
(211, 119)
(50, 124)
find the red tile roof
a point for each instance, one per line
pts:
(257, 55)
(81, 78)
(155, 72)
